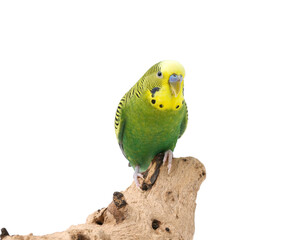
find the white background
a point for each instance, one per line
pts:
(64, 66)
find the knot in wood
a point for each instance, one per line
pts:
(155, 224)
(119, 200)
(4, 233)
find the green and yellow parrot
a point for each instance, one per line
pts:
(151, 116)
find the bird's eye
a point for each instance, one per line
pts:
(159, 74)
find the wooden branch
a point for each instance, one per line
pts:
(164, 209)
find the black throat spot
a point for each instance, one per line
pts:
(154, 90)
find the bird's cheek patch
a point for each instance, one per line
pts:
(154, 90)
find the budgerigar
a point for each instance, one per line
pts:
(151, 116)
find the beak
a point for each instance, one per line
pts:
(175, 83)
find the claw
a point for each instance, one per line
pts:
(168, 156)
(137, 175)
(140, 176)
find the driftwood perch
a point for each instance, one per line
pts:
(164, 209)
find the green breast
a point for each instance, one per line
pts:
(149, 131)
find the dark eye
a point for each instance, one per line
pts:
(159, 74)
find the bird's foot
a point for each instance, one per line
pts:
(137, 175)
(168, 156)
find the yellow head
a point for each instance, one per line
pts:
(164, 82)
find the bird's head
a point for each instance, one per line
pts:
(172, 75)
(165, 81)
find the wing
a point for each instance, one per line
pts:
(120, 119)
(184, 120)
(120, 122)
